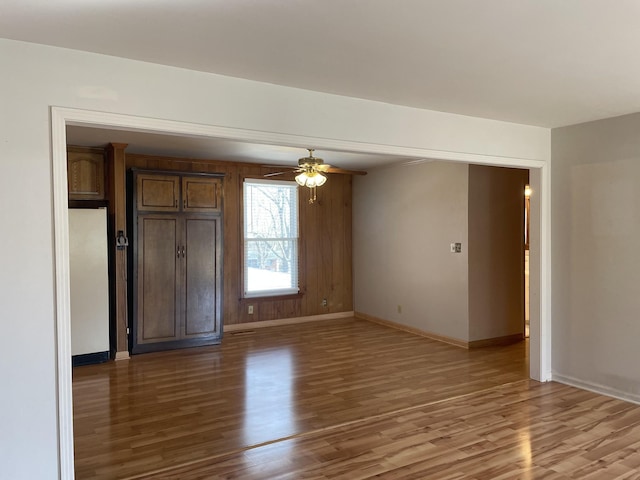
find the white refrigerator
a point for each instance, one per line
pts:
(88, 263)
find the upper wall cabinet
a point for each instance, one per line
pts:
(85, 173)
(162, 193)
(201, 194)
(157, 193)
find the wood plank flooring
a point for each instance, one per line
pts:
(343, 399)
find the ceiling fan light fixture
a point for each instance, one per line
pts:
(301, 179)
(320, 179)
(311, 179)
(310, 160)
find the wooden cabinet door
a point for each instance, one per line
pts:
(158, 282)
(85, 173)
(201, 194)
(157, 193)
(202, 277)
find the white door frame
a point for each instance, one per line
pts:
(540, 260)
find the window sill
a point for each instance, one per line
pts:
(268, 298)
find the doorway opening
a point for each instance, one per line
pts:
(61, 117)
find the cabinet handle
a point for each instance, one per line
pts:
(183, 251)
(175, 203)
(178, 252)
(184, 204)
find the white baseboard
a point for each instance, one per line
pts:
(415, 331)
(596, 388)
(286, 321)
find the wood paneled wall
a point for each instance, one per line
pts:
(325, 250)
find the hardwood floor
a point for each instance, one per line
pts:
(343, 399)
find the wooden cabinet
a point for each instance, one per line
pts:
(157, 193)
(178, 264)
(173, 193)
(201, 195)
(85, 173)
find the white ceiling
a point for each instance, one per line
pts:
(538, 62)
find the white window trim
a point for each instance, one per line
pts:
(280, 291)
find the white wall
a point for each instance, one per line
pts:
(596, 255)
(35, 78)
(404, 220)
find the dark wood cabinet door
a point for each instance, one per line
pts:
(201, 194)
(157, 193)
(202, 274)
(158, 303)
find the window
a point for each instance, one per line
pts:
(270, 238)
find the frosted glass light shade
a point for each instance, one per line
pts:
(311, 179)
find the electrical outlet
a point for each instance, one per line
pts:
(456, 247)
(452, 248)
(324, 302)
(250, 310)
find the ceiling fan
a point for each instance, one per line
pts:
(311, 173)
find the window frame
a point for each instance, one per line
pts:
(275, 294)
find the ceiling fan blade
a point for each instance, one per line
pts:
(344, 171)
(315, 163)
(275, 173)
(326, 168)
(290, 167)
